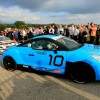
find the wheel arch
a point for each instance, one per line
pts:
(10, 57)
(15, 55)
(69, 65)
(13, 64)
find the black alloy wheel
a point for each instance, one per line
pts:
(80, 73)
(9, 63)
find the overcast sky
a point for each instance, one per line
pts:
(50, 11)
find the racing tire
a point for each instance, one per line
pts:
(9, 63)
(81, 73)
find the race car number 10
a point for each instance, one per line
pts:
(54, 60)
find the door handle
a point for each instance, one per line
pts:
(31, 54)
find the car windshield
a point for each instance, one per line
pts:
(69, 43)
(4, 38)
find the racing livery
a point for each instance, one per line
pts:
(56, 54)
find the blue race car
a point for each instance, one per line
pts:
(56, 54)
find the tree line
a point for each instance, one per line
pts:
(21, 24)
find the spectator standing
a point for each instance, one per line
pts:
(30, 33)
(51, 30)
(61, 30)
(3, 33)
(80, 34)
(93, 29)
(56, 30)
(98, 35)
(9, 34)
(71, 31)
(76, 33)
(37, 31)
(46, 30)
(20, 37)
(66, 30)
(15, 35)
(41, 30)
(24, 34)
(84, 34)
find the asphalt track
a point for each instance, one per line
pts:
(25, 84)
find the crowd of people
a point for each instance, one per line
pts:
(81, 33)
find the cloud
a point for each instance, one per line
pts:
(11, 14)
(70, 6)
(50, 11)
(26, 4)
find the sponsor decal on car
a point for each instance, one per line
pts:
(45, 69)
(25, 66)
(34, 67)
(42, 53)
(57, 71)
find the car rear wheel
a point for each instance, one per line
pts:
(9, 63)
(81, 73)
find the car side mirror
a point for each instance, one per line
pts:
(55, 51)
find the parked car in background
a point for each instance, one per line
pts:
(6, 42)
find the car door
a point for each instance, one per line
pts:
(44, 55)
(29, 51)
(49, 56)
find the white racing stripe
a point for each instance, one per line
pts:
(73, 89)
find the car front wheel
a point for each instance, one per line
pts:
(9, 63)
(81, 73)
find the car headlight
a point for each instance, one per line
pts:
(97, 57)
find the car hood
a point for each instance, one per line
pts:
(83, 53)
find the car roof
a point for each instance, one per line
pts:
(49, 36)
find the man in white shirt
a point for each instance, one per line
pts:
(24, 34)
(61, 30)
(76, 33)
(71, 31)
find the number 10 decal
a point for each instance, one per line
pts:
(55, 58)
